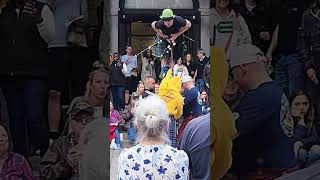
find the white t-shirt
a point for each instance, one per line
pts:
(180, 71)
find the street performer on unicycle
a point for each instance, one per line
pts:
(170, 28)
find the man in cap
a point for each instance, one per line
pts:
(264, 128)
(61, 161)
(172, 27)
(191, 106)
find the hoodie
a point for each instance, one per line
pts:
(221, 29)
(169, 91)
(222, 129)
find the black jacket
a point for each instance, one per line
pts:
(117, 77)
(200, 67)
(23, 51)
(310, 41)
(258, 20)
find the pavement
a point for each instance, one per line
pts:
(114, 156)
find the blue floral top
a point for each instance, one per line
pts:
(153, 162)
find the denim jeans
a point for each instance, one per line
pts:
(118, 97)
(307, 158)
(27, 101)
(200, 84)
(118, 139)
(289, 74)
(132, 131)
(172, 131)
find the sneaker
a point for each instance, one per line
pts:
(113, 145)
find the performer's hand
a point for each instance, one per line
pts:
(174, 37)
(163, 36)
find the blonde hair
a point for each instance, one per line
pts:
(91, 76)
(152, 119)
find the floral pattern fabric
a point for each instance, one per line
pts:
(153, 162)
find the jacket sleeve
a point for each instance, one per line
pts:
(244, 36)
(53, 166)
(311, 140)
(305, 44)
(124, 69)
(84, 9)
(300, 132)
(179, 110)
(47, 27)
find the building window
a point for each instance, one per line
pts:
(158, 4)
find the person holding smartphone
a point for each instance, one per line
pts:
(62, 160)
(27, 26)
(259, 21)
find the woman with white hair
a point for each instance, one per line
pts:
(152, 157)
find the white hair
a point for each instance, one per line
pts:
(152, 119)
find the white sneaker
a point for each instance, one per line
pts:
(113, 144)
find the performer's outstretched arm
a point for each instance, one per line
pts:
(153, 25)
(181, 31)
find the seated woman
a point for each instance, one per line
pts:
(12, 165)
(153, 157)
(307, 146)
(204, 102)
(61, 161)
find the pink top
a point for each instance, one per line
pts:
(16, 167)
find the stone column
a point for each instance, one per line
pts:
(205, 24)
(105, 33)
(114, 33)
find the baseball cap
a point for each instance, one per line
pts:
(245, 54)
(82, 107)
(185, 79)
(167, 14)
